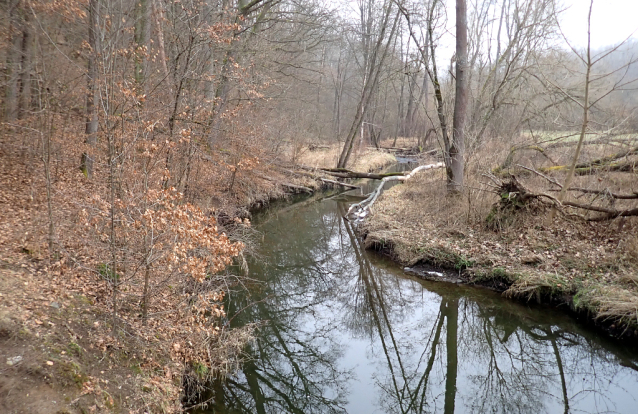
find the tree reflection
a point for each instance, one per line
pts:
(511, 362)
(435, 347)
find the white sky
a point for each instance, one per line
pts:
(612, 21)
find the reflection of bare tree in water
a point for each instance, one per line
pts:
(524, 366)
(523, 363)
(361, 306)
(371, 313)
(291, 367)
(287, 370)
(468, 353)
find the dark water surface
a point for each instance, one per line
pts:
(346, 331)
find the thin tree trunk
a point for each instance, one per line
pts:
(112, 241)
(92, 93)
(438, 94)
(372, 79)
(158, 17)
(583, 127)
(146, 294)
(46, 157)
(141, 41)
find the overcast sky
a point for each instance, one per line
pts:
(612, 21)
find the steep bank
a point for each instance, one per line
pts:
(587, 267)
(57, 350)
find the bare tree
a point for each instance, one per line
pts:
(375, 55)
(457, 146)
(92, 93)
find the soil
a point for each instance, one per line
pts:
(61, 359)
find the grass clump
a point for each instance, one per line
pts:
(610, 303)
(539, 284)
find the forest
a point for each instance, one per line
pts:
(138, 138)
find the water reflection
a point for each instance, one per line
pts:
(343, 331)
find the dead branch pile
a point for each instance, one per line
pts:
(514, 195)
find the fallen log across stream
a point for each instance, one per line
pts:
(360, 210)
(345, 173)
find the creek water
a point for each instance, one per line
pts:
(343, 330)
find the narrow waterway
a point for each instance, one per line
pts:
(345, 331)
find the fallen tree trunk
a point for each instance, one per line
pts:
(585, 169)
(606, 192)
(345, 173)
(628, 167)
(597, 141)
(360, 210)
(297, 188)
(322, 179)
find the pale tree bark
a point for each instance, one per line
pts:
(360, 210)
(457, 147)
(92, 92)
(158, 18)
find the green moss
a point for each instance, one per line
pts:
(136, 369)
(498, 274)
(443, 257)
(74, 349)
(72, 373)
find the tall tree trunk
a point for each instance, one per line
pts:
(438, 94)
(24, 101)
(408, 123)
(158, 18)
(457, 147)
(13, 62)
(91, 93)
(585, 122)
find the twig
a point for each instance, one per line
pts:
(551, 180)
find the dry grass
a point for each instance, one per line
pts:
(531, 285)
(401, 142)
(366, 160)
(611, 303)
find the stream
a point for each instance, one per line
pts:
(344, 330)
